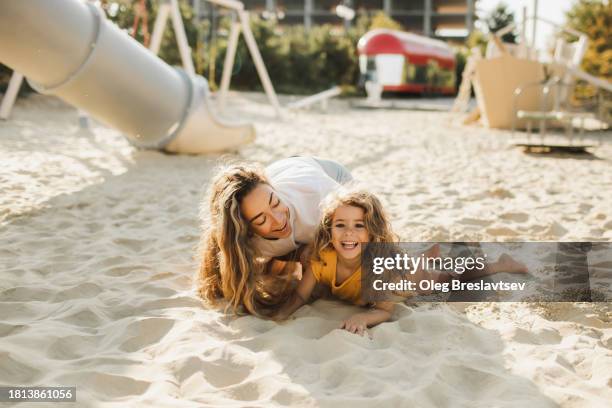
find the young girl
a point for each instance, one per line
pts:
(349, 220)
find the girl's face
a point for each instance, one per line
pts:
(348, 231)
(265, 213)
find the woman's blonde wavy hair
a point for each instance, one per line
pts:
(375, 218)
(229, 267)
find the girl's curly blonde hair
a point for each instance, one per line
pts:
(375, 218)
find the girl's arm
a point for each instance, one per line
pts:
(359, 322)
(300, 296)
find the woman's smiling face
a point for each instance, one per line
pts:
(265, 213)
(348, 231)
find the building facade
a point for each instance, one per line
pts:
(433, 18)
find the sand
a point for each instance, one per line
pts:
(96, 252)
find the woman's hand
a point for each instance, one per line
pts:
(357, 324)
(304, 255)
(302, 292)
(297, 271)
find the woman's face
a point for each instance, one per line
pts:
(348, 231)
(265, 213)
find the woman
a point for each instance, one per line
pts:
(254, 215)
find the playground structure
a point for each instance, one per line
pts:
(113, 78)
(405, 62)
(69, 49)
(243, 25)
(240, 24)
(537, 88)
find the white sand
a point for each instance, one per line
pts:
(96, 245)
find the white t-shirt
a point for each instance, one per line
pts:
(301, 184)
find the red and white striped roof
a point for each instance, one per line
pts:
(417, 48)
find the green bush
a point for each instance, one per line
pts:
(381, 20)
(594, 18)
(461, 56)
(297, 60)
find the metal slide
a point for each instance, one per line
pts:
(69, 49)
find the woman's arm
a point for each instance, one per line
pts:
(358, 323)
(300, 296)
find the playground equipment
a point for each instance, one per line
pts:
(526, 96)
(170, 8)
(406, 62)
(321, 97)
(243, 25)
(462, 101)
(522, 64)
(10, 95)
(67, 48)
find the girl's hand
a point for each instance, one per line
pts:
(355, 324)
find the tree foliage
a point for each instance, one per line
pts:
(594, 18)
(298, 61)
(381, 20)
(499, 18)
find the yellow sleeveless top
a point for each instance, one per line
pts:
(324, 272)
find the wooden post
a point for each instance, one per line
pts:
(228, 64)
(170, 8)
(259, 64)
(159, 27)
(243, 16)
(181, 38)
(535, 24)
(524, 53)
(11, 94)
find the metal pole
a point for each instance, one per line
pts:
(270, 6)
(535, 24)
(347, 23)
(524, 47)
(196, 9)
(427, 19)
(308, 15)
(387, 7)
(469, 18)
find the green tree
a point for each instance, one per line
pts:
(122, 13)
(381, 20)
(594, 18)
(477, 39)
(499, 18)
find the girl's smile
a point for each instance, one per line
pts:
(348, 231)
